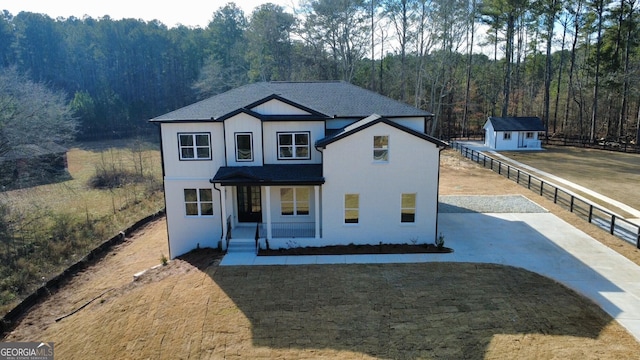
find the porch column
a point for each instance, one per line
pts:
(316, 190)
(223, 214)
(267, 190)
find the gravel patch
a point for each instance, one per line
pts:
(488, 204)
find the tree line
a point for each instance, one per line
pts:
(573, 63)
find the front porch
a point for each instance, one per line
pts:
(280, 230)
(270, 202)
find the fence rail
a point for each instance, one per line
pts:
(585, 209)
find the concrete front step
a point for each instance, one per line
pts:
(242, 246)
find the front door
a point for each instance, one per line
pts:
(249, 204)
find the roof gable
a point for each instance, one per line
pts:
(327, 98)
(519, 123)
(370, 121)
(274, 99)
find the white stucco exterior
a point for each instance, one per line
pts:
(412, 168)
(297, 201)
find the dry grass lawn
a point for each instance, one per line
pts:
(613, 174)
(194, 309)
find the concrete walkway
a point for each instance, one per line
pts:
(539, 242)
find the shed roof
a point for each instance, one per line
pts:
(330, 98)
(516, 123)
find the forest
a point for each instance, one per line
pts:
(572, 63)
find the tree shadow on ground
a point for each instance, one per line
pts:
(401, 311)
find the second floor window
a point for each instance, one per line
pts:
(381, 148)
(244, 151)
(194, 146)
(294, 145)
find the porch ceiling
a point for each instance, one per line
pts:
(272, 174)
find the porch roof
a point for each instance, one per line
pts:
(271, 174)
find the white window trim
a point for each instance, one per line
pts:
(295, 202)
(199, 202)
(294, 146)
(195, 147)
(380, 148)
(250, 144)
(344, 213)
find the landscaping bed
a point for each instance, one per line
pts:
(353, 249)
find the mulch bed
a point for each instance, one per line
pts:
(352, 249)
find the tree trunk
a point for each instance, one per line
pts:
(596, 87)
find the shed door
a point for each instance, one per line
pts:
(520, 139)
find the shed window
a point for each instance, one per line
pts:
(529, 135)
(506, 135)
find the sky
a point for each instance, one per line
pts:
(191, 13)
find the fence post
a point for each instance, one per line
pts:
(571, 204)
(518, 177)
(484, 161)
(529, 182)
(555, 195)
(499, 167)
(508, 172)
(590, 213)
(491, 163)
(541, 186)
(638, 242)
(613, 224)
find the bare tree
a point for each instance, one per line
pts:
(31, 113)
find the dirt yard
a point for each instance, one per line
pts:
(192, 308)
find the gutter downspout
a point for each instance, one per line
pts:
(222, 234)
(438, 192)
(164, 185)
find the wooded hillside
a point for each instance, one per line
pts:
(573, 63)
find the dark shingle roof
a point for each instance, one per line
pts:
(369, 121)
(521, 123)
(331, 98)
(276, 174)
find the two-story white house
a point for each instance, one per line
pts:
(299, 164)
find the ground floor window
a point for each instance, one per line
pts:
(408, 208)
(351, 208)
(198, 202)
(294, 201)
(529, 135)
(506, 136)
